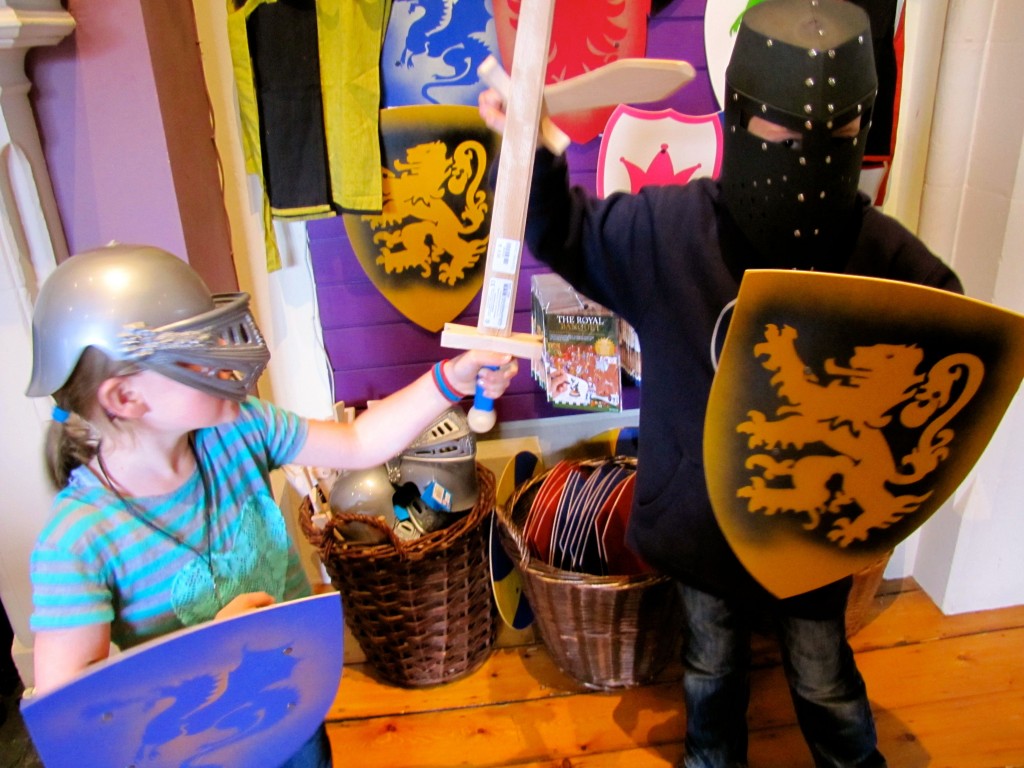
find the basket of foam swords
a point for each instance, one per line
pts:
(605, 617)
(406, 546)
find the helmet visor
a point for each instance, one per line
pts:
(221, 352)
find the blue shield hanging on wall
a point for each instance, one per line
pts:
(432, 49)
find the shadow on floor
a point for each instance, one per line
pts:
(16, 750)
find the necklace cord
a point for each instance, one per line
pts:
(139, 515)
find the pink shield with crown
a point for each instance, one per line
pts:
(641, 148)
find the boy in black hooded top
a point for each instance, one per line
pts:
(800, 88)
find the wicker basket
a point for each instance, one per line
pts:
(421, 610)
(605, 631)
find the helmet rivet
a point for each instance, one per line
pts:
(856, 140)
(821, 195)
(764, 109)
(828, 159)
(832, 54)
(769, 42)
(800, 197)
(808, 125)
(832, 82)
(831, 108)
(732, 129)
(809, 82)
(860, 39)
(813, 53)
(860, 108)
(735, 97)
(764, 146)
(817, 232)
(808, 109)
(803, 161)
(796, 233)
(829, 125)
(768, 181)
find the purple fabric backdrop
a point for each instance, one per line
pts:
(374, 350)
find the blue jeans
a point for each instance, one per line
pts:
(828, 692)
(315, 753)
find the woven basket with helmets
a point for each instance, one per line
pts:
(422, 609)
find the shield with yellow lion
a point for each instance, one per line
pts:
(844, 412)
(425, 251)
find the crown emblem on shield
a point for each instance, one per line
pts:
(828, 452)
(658, 173)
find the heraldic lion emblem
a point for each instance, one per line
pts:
(825, 450)
(419, 226)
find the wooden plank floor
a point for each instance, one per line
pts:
(947, 691)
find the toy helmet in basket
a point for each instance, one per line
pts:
(441, 463)
(371, 492)
(144, 306)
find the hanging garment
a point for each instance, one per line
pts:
(307, 75)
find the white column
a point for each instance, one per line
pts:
(30, 241)
(969, 553)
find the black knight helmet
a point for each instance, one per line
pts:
(807, 65)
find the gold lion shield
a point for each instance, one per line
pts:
(425, 250)
(844, 412)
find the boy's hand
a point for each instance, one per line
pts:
(492, 109)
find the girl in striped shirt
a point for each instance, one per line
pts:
(165, 517)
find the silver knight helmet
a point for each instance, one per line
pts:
(144, 306)
(808, 66)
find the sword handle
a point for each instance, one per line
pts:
(481, 416)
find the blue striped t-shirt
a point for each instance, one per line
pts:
(97, 562)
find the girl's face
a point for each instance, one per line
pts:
(173, 406)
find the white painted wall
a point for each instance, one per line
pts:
(969, 556)
(30, 240)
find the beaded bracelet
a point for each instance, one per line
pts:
(443, 385)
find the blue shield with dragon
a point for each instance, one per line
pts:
(426, 250)
(246, 690)
(844, 412)
(432, 49)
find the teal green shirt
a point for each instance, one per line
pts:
(96, 562)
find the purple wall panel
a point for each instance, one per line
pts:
(374, 350)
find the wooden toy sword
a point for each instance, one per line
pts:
(528, 104)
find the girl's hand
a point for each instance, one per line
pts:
(244, 603)
(465, 370)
